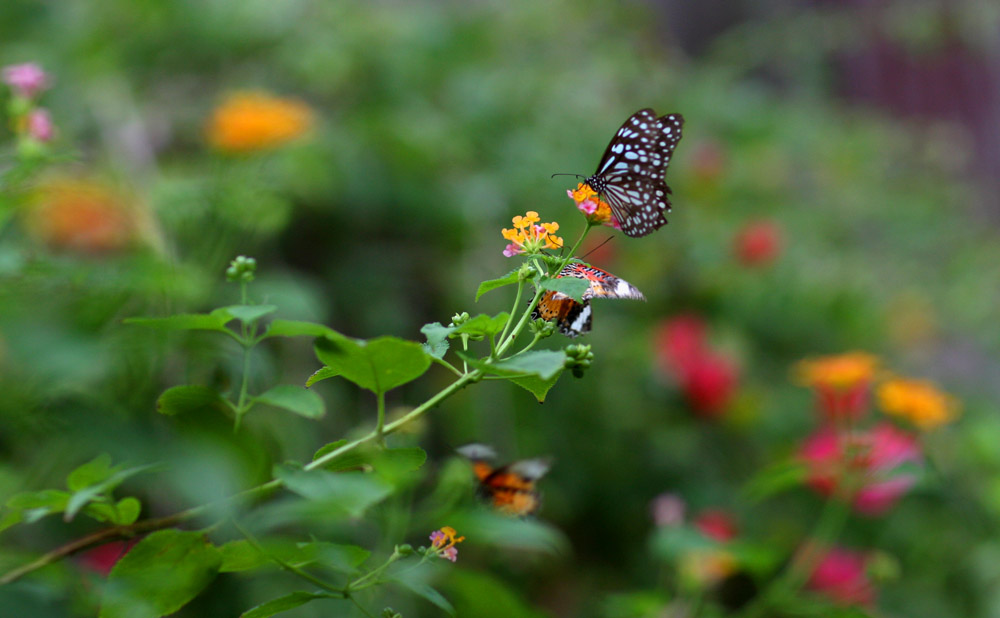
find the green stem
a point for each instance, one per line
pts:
(380, 426)
(289, 567)
(513, 310)
(362, 582)
(447, 365)
(244, 387)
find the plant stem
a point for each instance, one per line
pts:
(380, 424)
(289, 567)
(513, 310)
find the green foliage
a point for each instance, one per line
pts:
(378, 365)
(283, 604)
(487, 286)
(294, 399)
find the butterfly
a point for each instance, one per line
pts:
(630, 174)
(574, 318)
(511, 488)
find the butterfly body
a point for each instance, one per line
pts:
(630, 174)
(575, 318)
(511, 488)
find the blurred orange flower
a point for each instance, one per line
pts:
(249, 121)
(918, 401)
(841, 371)
(82, 215)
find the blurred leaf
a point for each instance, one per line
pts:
(241, 555)
(426, 592)
(329, 448)
(543, 363)
(392, 464)
(294, 399)
(350, 493)
(492, 284)
(32, 506)
(378, 365)
(537, 386)
(484, 325)
(342, 558)
(285, 603)
(82, 497)
(10, 518)
(437, 338)
(128, 510)
(190, 398)
(90, 473)
(774, 479)
(489, 528)
(249, 313)
(635, 604)
(161, 574)
(570, 286)
(322, 374)
(669, 543)
(484, 596)
(295, 328)
(216, 321)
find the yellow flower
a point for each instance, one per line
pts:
(528, 236)
(918, 401)
(582, 193)
(249, 121)
(841, 371)
(443, 543)
(529, 218)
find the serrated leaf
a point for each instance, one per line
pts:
(90, 473)
(492, 284)
(346, 492)
(570, 286)
(189, 398)
(294, 399)
(437, 338)
(215, 321)
(377, 365)
(542, 363)
(285, 603)
(322, 374)
(161, 574)
(79, 499)
(250, 313)
(537, 386)
(296, 328)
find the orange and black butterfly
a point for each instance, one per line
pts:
(574, 318)
(510, 489)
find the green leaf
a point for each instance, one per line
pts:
(216, 321)
(34, 505)
(10, 518)
(85, 495)
(285, 603)
(90, 473)
(774, 479)
(426, 592)
(542, 363)
(322, 374)
(489, 528)
(492, 284)
(100, 511)
(128, 510)
(437, 338)
(329, 448)
(378, 365)
(570, 286)
(537, 386)
(243, 556)
(250, 313)
(342, 558)
(161, 574)
(484, 325)
(295, 328)
(189, 398)
(479, 594)
(294, 399)
(350, 493)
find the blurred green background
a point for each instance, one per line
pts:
(861, 132)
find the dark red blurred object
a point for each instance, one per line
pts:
(841, 576)
(104, 557)
(758, 243)
(709, 383)
(716, 524)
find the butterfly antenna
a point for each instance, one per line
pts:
(577, 175)
(606, 241)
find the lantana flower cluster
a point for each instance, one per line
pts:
(592, 206)
(443, 543)
(31, 122)
(529, 236)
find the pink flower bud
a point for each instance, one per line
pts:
(40, 124)
(26, 79)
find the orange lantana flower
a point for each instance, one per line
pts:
(249, 121)
(918, 401)
(530, 236)
(841, 371)
(590, 204)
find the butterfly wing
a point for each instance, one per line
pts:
(511, 489)
(631, 173)
(576, 318)
(602, 283)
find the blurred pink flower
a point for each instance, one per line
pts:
(668, 509)
(450, 554)
(26, 79)
(40, 124)
(511, 250)
(717, 524)
(709, 383)
(841, 576)
(871, 461)
(679, 341)
(758, 243)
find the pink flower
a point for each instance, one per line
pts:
(587, 207)
(40, 124)
(758, 243)
(716, 524)
(709, 382)
(438, 538)
(450, 554)
(26, 79)
(841, 576)
(668, 510)
(104, 557)
(511, 250)
(679, 341)
(872, 462)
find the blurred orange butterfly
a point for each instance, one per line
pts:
(511, 488)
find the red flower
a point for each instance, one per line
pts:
(870, 462)
(679, 341)
(709, 382)
(103, 557)
(716, 524)
(841, 576)
(758, 243)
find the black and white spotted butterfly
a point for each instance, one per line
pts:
(630, 174)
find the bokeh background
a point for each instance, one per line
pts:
(836, 189)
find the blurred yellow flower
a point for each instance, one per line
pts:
(841, 371)
(249, 121)
(82, 215)
(918, 401)
(706, 567)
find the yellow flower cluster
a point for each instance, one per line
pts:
(917, 401)
(530, 236)
(590, 204)
(249, 121)
(841, 371)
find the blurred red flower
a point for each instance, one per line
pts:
(709, 383)
(104, 557)
(841, 576)
(758, 243)
(716, 524)
(679, 341)
(874, 462)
